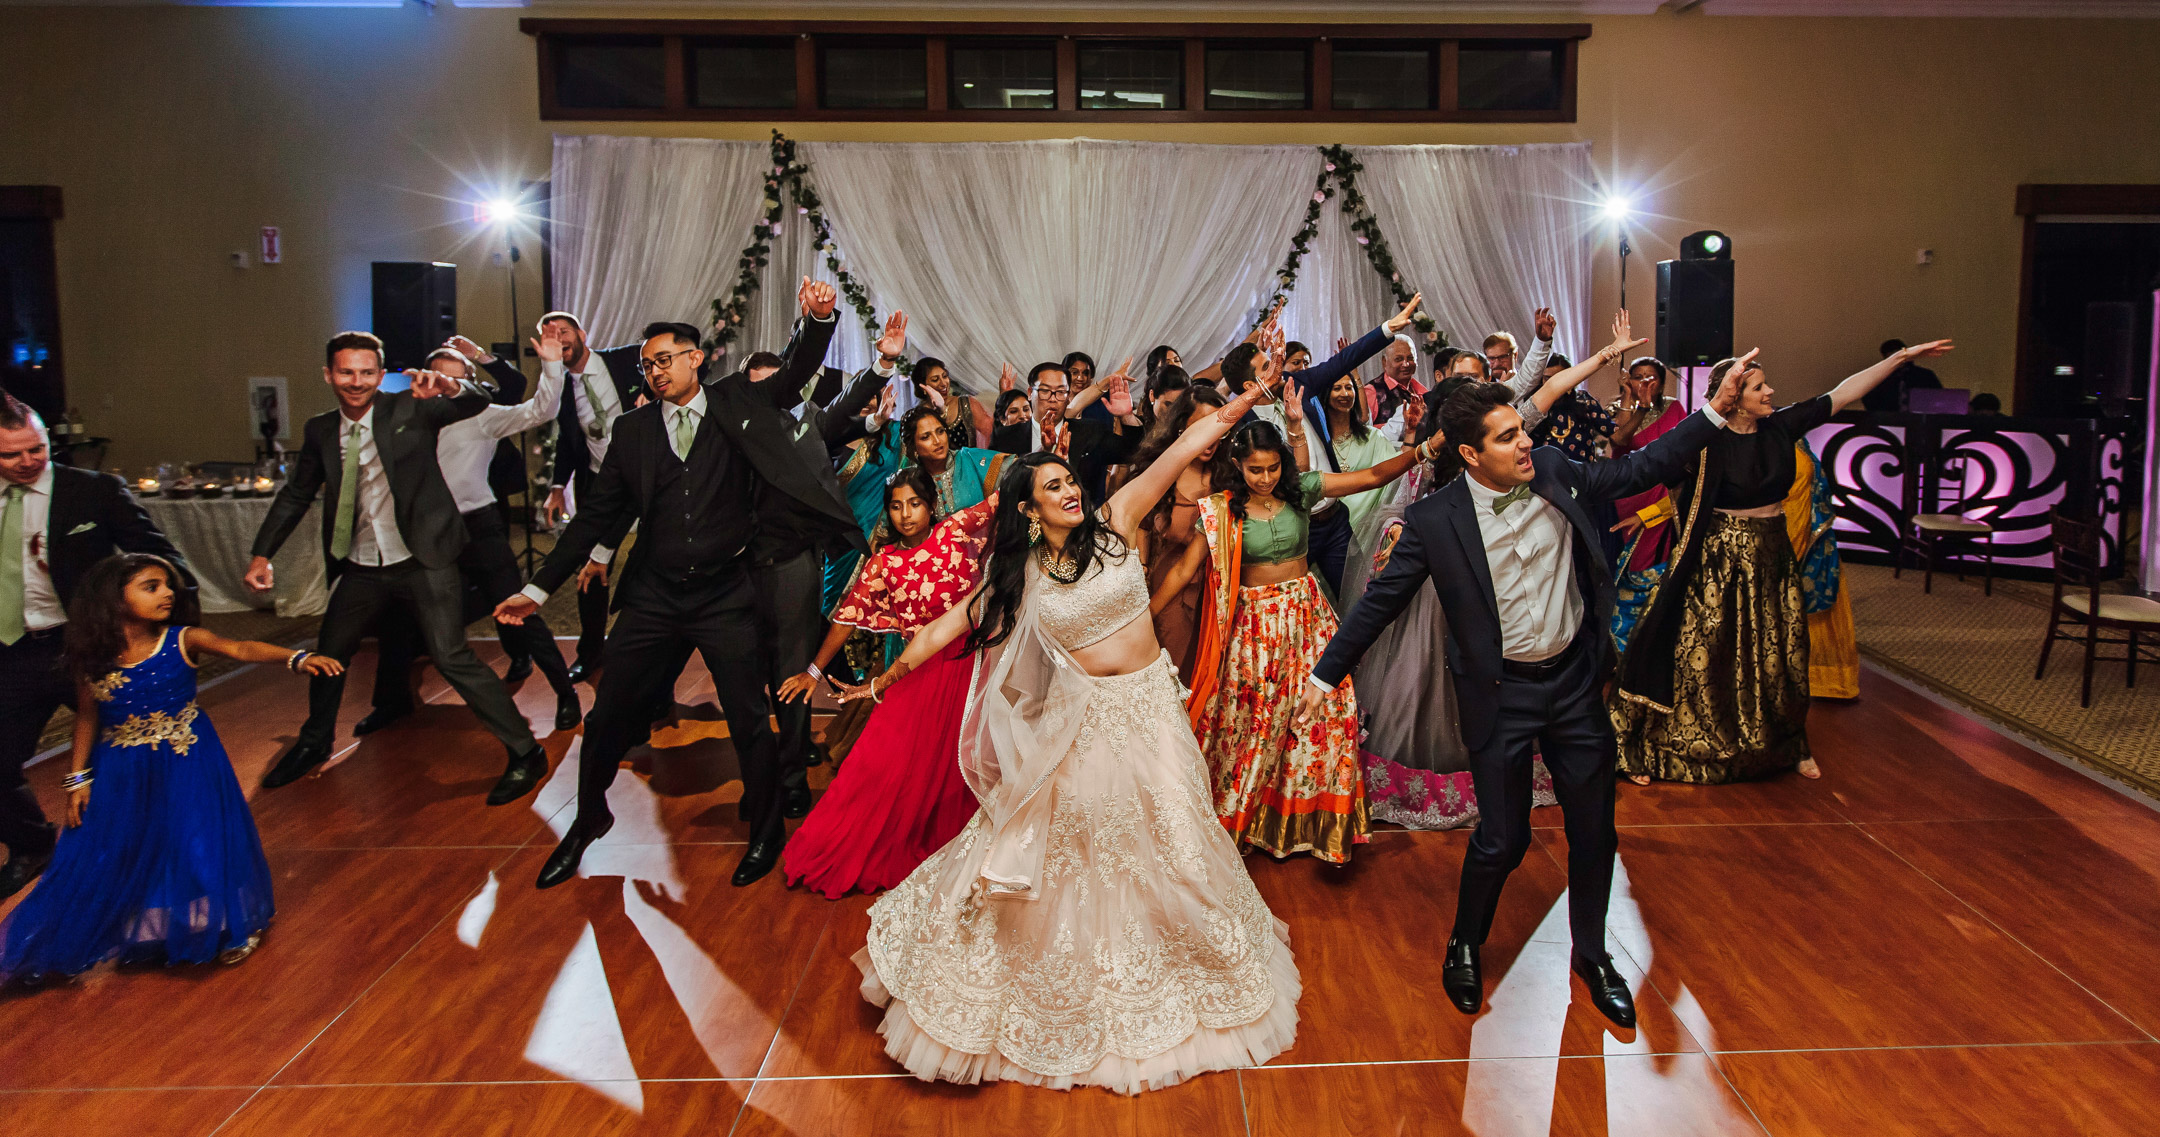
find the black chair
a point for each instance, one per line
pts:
(1965, 535)
(2080, 603)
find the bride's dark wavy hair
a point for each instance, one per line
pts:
(1005, 571)
(1246, 441)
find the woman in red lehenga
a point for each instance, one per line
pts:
(900, 795)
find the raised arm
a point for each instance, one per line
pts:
(1554, 389)
(1860, 383)
(1316, 380)
(1665, 460)
(1140, 493)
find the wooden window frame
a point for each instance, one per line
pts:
(1318, 40)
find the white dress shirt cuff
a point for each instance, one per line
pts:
(602, 555)
(1717, 420)
(882, 369)
(532, 592)
(1315, 681)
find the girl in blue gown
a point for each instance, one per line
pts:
(162, 862)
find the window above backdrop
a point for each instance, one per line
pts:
(780, 71)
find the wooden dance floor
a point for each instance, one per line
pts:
(1949, 934)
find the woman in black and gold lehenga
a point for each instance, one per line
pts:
(1714, 685)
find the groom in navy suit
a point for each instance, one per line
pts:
(1521, 575)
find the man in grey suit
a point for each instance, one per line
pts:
(393, 533)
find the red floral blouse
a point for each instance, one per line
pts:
(901, 589)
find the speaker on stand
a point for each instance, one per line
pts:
(1695, 309)
(415, 309)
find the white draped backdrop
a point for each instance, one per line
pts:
(1022, 251)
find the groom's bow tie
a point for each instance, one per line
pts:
(1519, 493)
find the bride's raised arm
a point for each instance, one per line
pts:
(1141, 491)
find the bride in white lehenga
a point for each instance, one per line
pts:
(1094, 924)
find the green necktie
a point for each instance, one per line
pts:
(685, 431)
(11, 567)
(1519, 493)
(598, 429)
(348, 496)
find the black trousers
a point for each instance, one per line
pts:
(489, 572)
(790, 600)
(659, 624)
(1564, 716)
(33, 684)
(1328, 545)
(432, 598)
(592, 604)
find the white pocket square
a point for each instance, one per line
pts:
(85, 527)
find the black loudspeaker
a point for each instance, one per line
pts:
(415, 309)
(1694, 312)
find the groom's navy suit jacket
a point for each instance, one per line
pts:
(1440, 541)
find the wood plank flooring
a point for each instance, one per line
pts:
(1948, 934)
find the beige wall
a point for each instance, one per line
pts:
(1830, 150)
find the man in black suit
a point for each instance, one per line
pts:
(55, 522)
(602, 385)
(1521, 576)
(392, 533)
(705, 472)
(1092, 445)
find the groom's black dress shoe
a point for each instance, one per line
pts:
(581, 671)
(796, 803)
(1608, 991)
(763, 855)
(562, 864)
(377, 719)
(295, 764)
(520, 669)
(524, 772)
(1460, 976)
(568, 714)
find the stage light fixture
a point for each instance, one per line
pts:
(498, 211)
(1618, 208)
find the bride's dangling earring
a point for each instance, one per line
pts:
(1034, 531)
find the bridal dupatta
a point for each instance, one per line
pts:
(1026, 703)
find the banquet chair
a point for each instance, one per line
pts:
(2079, 603)
(1965, 534)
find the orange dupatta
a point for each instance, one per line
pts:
(1226, 552)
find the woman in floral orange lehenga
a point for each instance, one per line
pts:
(1279, 785)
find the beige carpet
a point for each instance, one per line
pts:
(1980, 651)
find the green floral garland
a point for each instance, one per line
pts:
(1338, 174)
(790, 175)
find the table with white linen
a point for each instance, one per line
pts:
(216, 535)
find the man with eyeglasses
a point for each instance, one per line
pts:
(708, 472)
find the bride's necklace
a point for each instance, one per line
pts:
(1063, 569)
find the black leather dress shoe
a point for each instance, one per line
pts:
(562, 864)
(524, 772)
(1608, 991)
(582, 672)
(377, 719)
(796, 803)
(1460, 976)
(295, 764)
(568, 713)
(21, 869)
(520, 670)
(763, 855)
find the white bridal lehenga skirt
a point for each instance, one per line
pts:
(1146, 957)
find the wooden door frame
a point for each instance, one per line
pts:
(2038, 201)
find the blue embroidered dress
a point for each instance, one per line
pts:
(166, 866)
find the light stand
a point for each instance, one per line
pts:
(1625, 249)
(529, 557)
